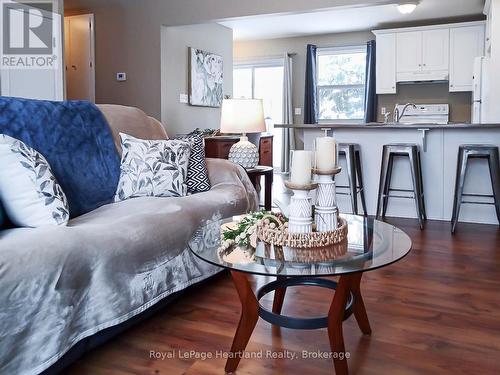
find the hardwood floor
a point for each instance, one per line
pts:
(435, 312)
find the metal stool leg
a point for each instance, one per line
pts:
(387, 185)
(383, 176)
(459, 188)
(494, 165)
(416, 185)
(360, 181)
(351, 174)
(421, 178)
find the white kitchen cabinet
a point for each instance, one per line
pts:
(429, 53)
(422, 55)
(409, 51)
(488, 30)
(466, 43)
(386, 64)
(435, 49)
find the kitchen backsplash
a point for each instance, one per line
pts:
(429, 93)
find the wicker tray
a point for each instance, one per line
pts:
(279, 236)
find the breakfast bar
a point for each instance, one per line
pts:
(439, 153)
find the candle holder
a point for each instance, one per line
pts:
(300, 220)
(326, 210)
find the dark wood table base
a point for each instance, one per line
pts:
(347, 300)
(255, 175)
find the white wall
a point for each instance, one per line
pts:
(175, 42)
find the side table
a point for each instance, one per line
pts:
(255, 175)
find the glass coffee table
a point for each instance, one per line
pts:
(371, 244)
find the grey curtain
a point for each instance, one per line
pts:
(370, 89)
(288, 134)
(311, 94)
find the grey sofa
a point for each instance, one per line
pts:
(60, 285)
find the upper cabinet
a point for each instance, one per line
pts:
(409, 51)
(386, 64)
(435, 49)
(422, 55)
(428, 53)
(466, 43)
(488, 27)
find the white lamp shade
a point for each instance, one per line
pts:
(242, 116)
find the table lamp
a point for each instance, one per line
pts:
(243, 116)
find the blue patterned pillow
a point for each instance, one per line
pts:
(197, 176)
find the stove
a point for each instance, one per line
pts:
(425, 114)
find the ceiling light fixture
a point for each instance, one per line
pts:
(407, 7)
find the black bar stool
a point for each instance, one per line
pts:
(352, 153)
(466, 152)
(412, 152)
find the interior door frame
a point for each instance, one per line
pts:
(92, 53)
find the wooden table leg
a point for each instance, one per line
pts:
(269, 191)
(248, 319)
(335, 319)
(347, 284)
(359, 306)
(279, 297)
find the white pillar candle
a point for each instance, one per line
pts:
(300, 173)
(326, 153)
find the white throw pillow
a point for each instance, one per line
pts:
(152, 168)
(30, 193)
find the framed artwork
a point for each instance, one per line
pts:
(205, 78)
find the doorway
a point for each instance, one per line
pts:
(80, 57)
(264, 80)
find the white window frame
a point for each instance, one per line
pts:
(337, 51)
(265, 63)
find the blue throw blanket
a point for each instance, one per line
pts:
(76, 140)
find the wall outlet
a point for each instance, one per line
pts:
(183, 98)
(383, 111)
(298, 111)
(121, 77)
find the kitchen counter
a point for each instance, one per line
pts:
(379, 125)
(439, 152)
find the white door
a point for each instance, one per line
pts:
(80, 66)
(386, 64)
(409, 51)
(466, 43)
(435, 49)
(36, 83)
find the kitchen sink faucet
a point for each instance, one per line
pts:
(397, 115)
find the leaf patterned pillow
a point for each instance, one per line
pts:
(30, 194)
(152, 168)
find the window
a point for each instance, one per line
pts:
(263, 80)
(341, 83)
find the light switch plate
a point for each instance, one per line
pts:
(298, 111)
(183, 98)
(383, 111)
(121, 77)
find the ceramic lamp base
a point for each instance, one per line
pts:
(244, 153)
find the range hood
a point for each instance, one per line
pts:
(423, 76)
